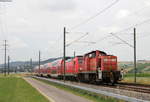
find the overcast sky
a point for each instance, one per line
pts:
(33, 25)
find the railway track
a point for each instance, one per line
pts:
(130, 87)
(123, 86)
(137, 88)
(142, 88)
(122, 91)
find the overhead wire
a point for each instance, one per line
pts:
(119, 32)
(121, 40)
(115, 34)
(97, 14)
(128, 28)
(67, 45)
(84, 22)
(87, 20)
(92, 17)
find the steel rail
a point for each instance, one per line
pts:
(98, 91)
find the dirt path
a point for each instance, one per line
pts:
(55, 94)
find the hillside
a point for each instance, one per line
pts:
(22, 66)
(142, 66)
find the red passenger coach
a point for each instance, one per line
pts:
(56, 68)
(48, 69)
(73, 67)
(78, 64)
(69, 67)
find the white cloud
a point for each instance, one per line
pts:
(16, 42)
(109, 29)
(147, 2)
(122, 14)
(40, 23)
(53, 5)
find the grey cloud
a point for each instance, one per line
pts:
(59, 5)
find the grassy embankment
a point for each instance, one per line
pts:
(86, 94)
(14, 89)
(143, 72)
(142, 78)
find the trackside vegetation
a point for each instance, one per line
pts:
(141, 78)
(16, 89)
(138, 75)
(142, 75)
(86, 94)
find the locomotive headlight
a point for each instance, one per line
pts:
(80, 68)
(114, 60)
(105, 60)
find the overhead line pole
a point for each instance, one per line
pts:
(134, 55)
(8, 64)
(64, 78)
(5, 40)
(31, 64)
(74, 54)
(5, 54)
(39, 61)
(134, 47)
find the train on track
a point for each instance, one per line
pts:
(95, 66)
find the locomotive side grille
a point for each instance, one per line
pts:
(109, 63)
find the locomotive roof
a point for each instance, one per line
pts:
(95, 51)
(79, 56)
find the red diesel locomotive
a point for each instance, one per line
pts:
(95, 66)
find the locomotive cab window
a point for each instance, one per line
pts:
(92, 55)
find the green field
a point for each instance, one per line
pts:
(138, 75)
(143, 72)
(15, 89)
(141, 67)
(139, 80)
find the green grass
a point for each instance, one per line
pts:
(15, 89)
(14, 75)
(140, 80)
(83, 93)
(138, 75)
